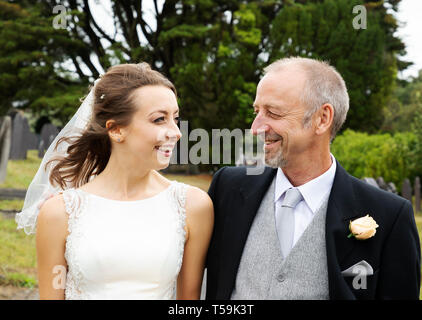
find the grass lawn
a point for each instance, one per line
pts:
(21, 172)
(17, 255)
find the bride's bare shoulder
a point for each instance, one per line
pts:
(53, 213)
(198, 202)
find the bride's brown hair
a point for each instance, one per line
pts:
(88, 154)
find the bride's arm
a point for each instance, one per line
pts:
(50, 239)
(199, 225)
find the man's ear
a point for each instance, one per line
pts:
(324, 119)
(114, 131)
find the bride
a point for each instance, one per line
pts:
(101, 211)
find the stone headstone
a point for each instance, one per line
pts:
(392, 187)
(5, 142)
(417, 188)
(41, 149)
(51, 138)
(20, 128)
(22, 138)
(32, 141)
(371, 181)
(406, 190)
(48, 133)
(381, 183)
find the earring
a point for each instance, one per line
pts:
(118, 139)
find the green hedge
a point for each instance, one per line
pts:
(393, 157)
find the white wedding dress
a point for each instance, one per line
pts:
(124, 249)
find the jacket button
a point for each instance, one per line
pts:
(280, 278)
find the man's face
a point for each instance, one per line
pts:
(279, 113)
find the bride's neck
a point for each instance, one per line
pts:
(125, 180)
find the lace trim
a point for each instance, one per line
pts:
(27, 218)
(75, 203)
(178, 195)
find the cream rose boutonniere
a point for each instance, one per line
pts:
(363, 228)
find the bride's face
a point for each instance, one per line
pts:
(153, 132)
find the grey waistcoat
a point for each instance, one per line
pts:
(264, 274)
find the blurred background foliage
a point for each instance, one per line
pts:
(214, 51)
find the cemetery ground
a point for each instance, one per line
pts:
(18, 275)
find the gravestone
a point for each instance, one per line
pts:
(41, 149)
(406, 190)
(417, 188)
(392, 187)
(31, 140)
(19, 128)
(381, 183)
(371, 181)
(5, 142)
(48, 133)
(22, 138)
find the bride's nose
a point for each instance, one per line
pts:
(173, 133)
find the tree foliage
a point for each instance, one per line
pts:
(368, 59)
(213, 50)
(405, 104)
(31, 54)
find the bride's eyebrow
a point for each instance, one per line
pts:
(163, 111)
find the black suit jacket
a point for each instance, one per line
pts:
(394, 252)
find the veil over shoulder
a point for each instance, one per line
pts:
(40, 189)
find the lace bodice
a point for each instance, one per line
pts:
(124, 249)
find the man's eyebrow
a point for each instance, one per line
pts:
(267, 106)
(274, 106)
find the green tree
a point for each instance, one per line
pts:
(213, 50)
(368, 59)
(208, 48)
(404, 105)
(31, 76)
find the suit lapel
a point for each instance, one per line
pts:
(342, 207)
(237, 226)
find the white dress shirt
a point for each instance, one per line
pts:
(314, 193)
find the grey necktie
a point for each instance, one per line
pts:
(285, 219)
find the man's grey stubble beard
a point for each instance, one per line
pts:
(275, 161)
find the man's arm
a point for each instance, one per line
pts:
(400, 269)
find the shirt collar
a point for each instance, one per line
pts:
(314, 191)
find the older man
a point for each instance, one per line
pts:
(285, 234)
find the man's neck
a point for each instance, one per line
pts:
(301, 172)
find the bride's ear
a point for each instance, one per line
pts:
(115, 132)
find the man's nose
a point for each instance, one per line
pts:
(259, 126)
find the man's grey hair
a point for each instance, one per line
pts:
(323, 85)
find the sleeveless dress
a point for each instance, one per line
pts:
(124, 249)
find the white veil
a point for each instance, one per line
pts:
(40, 188)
